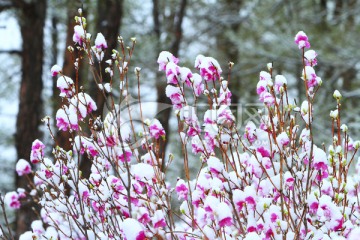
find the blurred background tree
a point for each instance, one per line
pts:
(246, 32)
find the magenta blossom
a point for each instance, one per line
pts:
(12, 200)
(302, 40)
(181, 189)
(23, 167)
(79, 34)
(100, 42)
(164, 58)
(156, 129)
(55, 70)
(37, 151)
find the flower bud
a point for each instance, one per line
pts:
(337, 95)
(269, 66)
(334, 114)
(344, 128)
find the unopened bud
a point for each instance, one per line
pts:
(356, 144)
(334, 114)
(344, 128)
(137, 70)
(337, 95)
(269, 66)
(147, 122)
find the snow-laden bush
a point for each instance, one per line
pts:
(266, 181)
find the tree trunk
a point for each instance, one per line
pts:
(32, 20)
(110, 13)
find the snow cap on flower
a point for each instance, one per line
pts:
(320, 159)
(158, 219)
(66, 119)
(164, 58)
(175, 95)
(198, 60)
(198, 84)
(142, 171)
(66, 86)
(100, 42)
(225, 116)
(283, 139)
(83, 103)
(310, 58)
(215, 165)
(302, 40)
(79, 34)
(264, 76)
(224, 215)
(132, 229)
(172, 73)
(55, 70)
(185, 75)
(210, 69)
(280, 81)
(250, 132)
(37, 227)
(23, 167)
(28, 235)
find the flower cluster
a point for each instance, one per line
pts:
(267, 181)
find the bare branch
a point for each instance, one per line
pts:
(13, 51)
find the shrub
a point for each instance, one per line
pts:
(266, 181)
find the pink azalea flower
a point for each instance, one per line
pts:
(283, 139)
(124, 155)
(280, 81)
(310, 58)
(100, 42)
(79, 34)
(185, 76)
(250, 130)
(302, 40)
(37, 151)
(23, 167)
(197, 146)
(12, 200)
(289, 180)
(198, 84)
(175, 95)
(261, 87)
(164, 58)
(210, 69)
(66, 86)
(156, 129)
(263, 151)
(143, 215)
(158, 219)
(55, 70)
(172, 73)
(224, 215)
(181, 189)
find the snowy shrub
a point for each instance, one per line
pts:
(266, 181)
